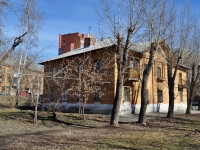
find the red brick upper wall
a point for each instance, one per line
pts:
(71, 41)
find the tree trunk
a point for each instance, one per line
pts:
(36, 110)
(170, 113)
(84, 110)
(117, 101)
(191, 94)
(189, 105)
(119, 85)
(144, 100)
(191, 89)
(146, 72)
(16, 99)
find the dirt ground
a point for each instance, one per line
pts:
(69, 131)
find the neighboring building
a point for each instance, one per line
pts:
(71, 41)
(101, 101)
(28, 82)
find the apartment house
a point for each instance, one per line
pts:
(62, 79)
(28, 82)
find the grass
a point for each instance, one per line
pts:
(69, 131)
(9, 101)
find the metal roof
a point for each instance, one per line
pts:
(184, 66)
(139, 47)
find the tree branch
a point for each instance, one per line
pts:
(17, 41)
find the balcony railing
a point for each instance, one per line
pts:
(161, 79)
(182, 84)
(134, 75)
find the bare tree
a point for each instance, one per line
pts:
(157, 21)
(126, 30)
(178, 36)
(31, 20)
(146, 20)
(193, 62)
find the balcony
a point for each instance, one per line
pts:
(182, 84)
(134, 75)
(161, 79)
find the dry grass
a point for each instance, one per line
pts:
(9, 101)
(68, 131)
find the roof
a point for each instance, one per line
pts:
(97, 45)
(183, 66)
(139, 47)
(13, 61)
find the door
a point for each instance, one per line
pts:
(160, 99)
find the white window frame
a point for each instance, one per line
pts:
(98, 65)
(64, 95)
(53, 72)
(52, 96)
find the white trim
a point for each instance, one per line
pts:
(163, 107)
(124, 108)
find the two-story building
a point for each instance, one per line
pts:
(92, 71)
(9, 75)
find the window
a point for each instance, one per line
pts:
(80, 68)
(53, 72)
(15, 71)
(7, 89)
(64, 71)
(181, 96)
(98, 65)
(134, 63)
(158, 72)
(180, 77)
(64, 94)
(9, 79)
(126, 94)
(2, 78)
(97, 95)
(15, 81)
(51, 96)
(160, 96)
(39, 79)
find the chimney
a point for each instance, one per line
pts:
(87, 42)
(59, 45)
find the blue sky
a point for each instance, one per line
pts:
(61, 17)
(67, 16)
